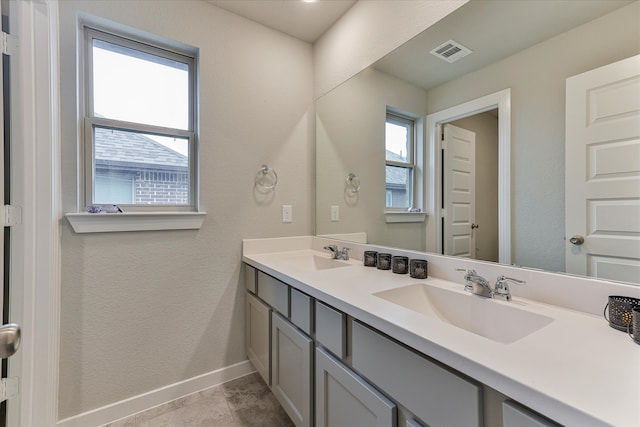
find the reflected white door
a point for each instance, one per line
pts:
(603, 172)
(459, 167)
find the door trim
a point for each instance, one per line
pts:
(35, 108)
(502, 101)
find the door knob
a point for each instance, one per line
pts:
(577, 240)
(9, 339)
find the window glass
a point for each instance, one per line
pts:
(139, 87)
(398, 141)
(113, 189)
(398, 187)
(156, 167)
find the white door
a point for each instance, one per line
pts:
(603, 172)
(459, 175)
(9, 333)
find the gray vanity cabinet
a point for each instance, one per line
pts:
(345, 399)
(291, 368)
(354, 376)
(258, 335)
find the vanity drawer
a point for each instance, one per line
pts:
(250, 278)
(302, 311)
(331, 329)
(433, 393)
(515, 415)
(274, 292)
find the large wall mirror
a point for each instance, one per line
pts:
(525, 49)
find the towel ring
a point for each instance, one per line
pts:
(266, 178)
(353, 183)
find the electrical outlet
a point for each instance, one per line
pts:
(287, 213)
(335, 213)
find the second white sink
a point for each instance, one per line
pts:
(316, 262)
(497, 321)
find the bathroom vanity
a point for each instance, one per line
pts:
(341, 344)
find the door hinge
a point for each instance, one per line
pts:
(9, 388)
(11, 215)
(9, 44)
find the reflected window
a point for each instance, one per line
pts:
(400, 157)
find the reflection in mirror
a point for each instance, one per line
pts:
(529, 47)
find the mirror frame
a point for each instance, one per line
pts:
(502, 101)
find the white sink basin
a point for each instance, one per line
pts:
(316, 262)
(497, 321)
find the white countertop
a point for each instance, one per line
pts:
(577, 370)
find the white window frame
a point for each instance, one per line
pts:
(416, 164)
(91, 121)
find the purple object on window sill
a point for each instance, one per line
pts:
(104, 209)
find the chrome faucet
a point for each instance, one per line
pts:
(476, 284)
(338, 253)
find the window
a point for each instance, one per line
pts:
(400, 161)
(140, 127)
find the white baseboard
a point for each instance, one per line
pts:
(142, 402)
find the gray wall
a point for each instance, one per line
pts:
(350, 139)
(537, 77)
(142, 310)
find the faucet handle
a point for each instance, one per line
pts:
(501, 290)
(467, 277)
(333, 249)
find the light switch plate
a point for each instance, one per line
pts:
(335, 213)
(287, 213)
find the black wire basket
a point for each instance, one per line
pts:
(620, 311)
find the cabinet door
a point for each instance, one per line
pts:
(258, 335)
(345, 399)
(433, 393)
(291, 362)
(514, 415)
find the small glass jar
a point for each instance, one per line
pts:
(418, 268)
(383, 261)
(369, 258)
(400, 264)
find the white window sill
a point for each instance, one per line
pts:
(134, 221)
(393, 216)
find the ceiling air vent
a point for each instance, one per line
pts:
(451, 51)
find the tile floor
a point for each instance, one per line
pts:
(243, 402)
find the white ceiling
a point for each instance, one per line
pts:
(305, 21)
(493, 30)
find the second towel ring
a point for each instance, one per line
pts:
(266, 178)
(353, 183)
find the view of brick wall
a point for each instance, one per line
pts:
(171, 188)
